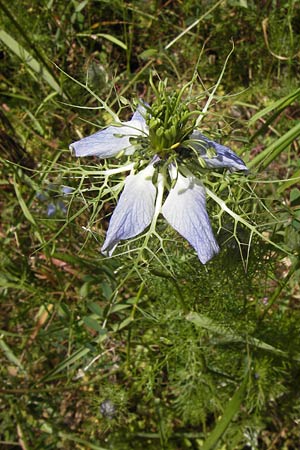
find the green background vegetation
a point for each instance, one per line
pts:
(100, 353)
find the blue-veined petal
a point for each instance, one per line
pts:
(134, 210)
(225, 157)
(185, 210)
(112, 140)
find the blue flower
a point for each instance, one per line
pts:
(51, 197)
(142, 198)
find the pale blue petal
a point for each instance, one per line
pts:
(51, 210)
(225, 156)
(112, 140)
(140, 113)
(66, 190)
(185, 210)
(134, 210)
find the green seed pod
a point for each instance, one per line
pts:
(168, 134)
(160, 131)
(153, 123)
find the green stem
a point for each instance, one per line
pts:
(211, 96)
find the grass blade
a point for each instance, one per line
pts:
(10, 355)
(295, 179)
(206, 322)
(193, 24)
(278, 105)
(28, 59)
(74, 438)
(230, 411)
(108, 37)
(270, 153)
(77, 355)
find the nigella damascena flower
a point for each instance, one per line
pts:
(51, 197)
(163, 136)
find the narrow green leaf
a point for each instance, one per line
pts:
(295, 179)
(10, 355)
(278, 105)
(72, 359)
(95, 308)
(123, 324)
(7, 282)
(206, 322)
(80, 6)
(22, 204)
(108, 37)
(119, 307)
(92, 323)
(74, 438)
(28, 59)
(270, 153)
(195, 23)
(230, 411)
(25, 209)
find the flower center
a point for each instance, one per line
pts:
(169, 123)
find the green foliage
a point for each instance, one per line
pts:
(156, 351)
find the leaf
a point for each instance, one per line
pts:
(28, 59)
(119, 307)
(230, 411)
(195, 23)
(92, 323)
(240, 219)
(123, 324)
(108, 37)
(278, 105)
(10, 355)
(270, 153)
(149, 53)
(295, 179)
(206, 322)
(95, 308)
(25, 209)
(76, 357)
(295, 197)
